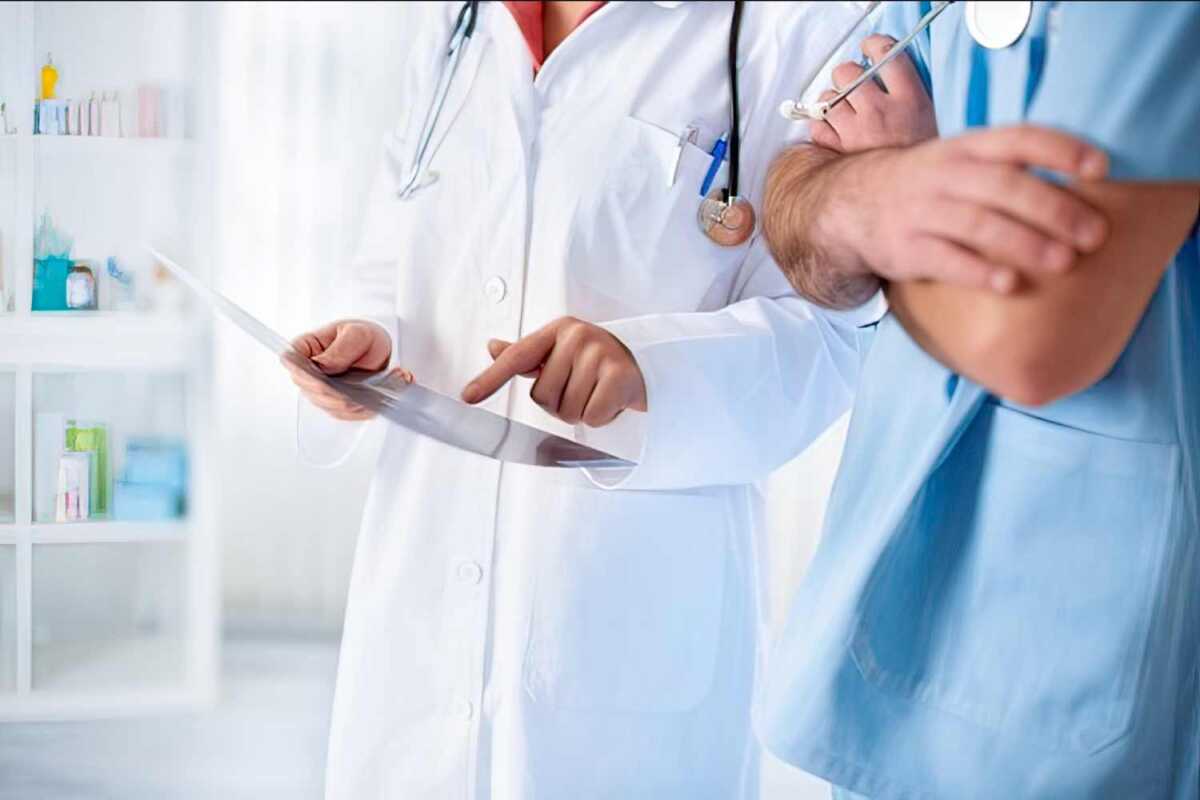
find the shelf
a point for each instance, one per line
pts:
(102, 339)
(109, 532)
(92, 146)
(90, 322)
(43, 706)
(88, 666)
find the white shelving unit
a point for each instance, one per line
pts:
(106, 617)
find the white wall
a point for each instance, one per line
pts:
(306, 91)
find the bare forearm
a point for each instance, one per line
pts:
(1058, 334)
(806, 197)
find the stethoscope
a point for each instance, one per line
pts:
(725, 216)
(995, 25)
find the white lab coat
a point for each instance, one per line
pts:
(515, 632)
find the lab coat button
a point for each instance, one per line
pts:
(470, 572)
(464, 710)
(495, 289)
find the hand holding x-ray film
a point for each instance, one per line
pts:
(394, 396)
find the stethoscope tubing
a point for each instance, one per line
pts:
(458, 44)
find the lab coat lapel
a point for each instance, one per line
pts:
(460, 87)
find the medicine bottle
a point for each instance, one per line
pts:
(81, 287)
(49, 78)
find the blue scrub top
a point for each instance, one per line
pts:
(1006, 600)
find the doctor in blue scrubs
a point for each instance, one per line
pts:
(1006, 601)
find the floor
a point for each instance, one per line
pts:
(265, 740)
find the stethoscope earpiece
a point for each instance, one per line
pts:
(995, 24)
(797, 110)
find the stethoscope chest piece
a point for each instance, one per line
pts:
(998, 23)
(728, 223)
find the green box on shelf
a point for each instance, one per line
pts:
(92, 438)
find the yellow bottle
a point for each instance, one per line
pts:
(49, 78)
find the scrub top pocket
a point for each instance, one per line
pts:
(1030, 618)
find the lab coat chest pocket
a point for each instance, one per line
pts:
(635, 236)
(1029, 618)
(427, 228)
(627, 612)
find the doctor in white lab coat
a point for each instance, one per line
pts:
(517, 632)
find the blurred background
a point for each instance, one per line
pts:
(172, 579)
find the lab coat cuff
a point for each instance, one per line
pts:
(323, 441)
(869, 313)
(391, 326)
(661, 441)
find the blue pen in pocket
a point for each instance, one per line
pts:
(718, 155)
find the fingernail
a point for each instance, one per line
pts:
(1004, 280)
(1093, 165)
(1089, 233)
(470, 393)
(1057, 256)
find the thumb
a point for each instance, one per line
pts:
(350, 344)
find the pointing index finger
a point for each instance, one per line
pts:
(522, 356)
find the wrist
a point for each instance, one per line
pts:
(846, 227)
(816, 227)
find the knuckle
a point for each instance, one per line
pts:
(870, 118)
(977, 220)
(573, 333)
(1011, 181)
(593, 352)
(1062, 213)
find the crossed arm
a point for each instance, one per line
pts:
(1029, 288)
(1059, 334)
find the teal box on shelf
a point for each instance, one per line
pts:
(153, 484)
(50, 283)
(146, 502)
